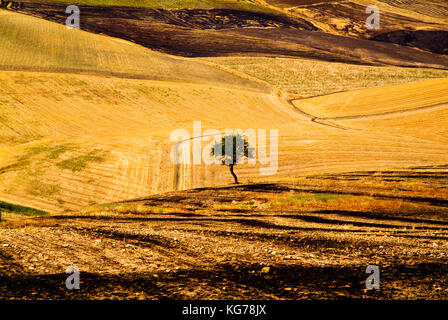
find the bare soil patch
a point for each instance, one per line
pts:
(305, 239)
(364, 51)
(434, 41)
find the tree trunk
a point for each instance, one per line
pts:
(233, 173)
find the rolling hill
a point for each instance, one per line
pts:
(77, 135)
(49, 47)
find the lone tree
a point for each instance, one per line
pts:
(231, 150)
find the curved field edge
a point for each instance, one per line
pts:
(373, 101)
(305, 78)
(50, 47)
(112, 142)
(16, 209)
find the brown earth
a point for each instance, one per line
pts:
(364, 51)
(411, 23)
(434, 41)
(194, 18)
(293, 3)
(308, 239)
(348, 17)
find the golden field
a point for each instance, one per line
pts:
(304, 78)
(71, 140)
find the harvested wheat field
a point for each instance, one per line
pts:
(305, 78)
(100, 128)
(376, 101)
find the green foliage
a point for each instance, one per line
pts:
(57, 151)
(52, 152)
(42, 189)
(17, 209)
(232, 149)
(319, 197)
(130, 208)
(250, 205)
(81, 162)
